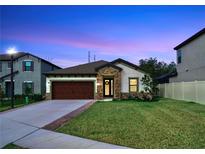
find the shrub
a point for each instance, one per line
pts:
(145, 96)
(37, 97)
(131, 97)
(150, 85)
(19, 97)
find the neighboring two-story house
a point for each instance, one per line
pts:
(28, 73)
(191, 59)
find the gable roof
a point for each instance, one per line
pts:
(119, 60)
(190, 39)
(109, 65)
(92, 68)
(7, 57)
(83, 69)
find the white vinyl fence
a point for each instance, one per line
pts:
(189, 91)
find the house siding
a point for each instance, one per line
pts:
(192, 66)
(126, 73)
(45, 67)
(36, 76)
(22, 76)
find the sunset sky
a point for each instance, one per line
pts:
(64, 34)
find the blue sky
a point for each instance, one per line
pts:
(64, 34)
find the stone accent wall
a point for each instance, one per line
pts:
(48, 96)
(109, 72)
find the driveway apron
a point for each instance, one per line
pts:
(18, 123)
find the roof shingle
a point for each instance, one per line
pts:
(83, 69)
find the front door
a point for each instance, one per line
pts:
(8, 89)
(108, 85)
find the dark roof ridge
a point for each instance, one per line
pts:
(120, 60)
(81, 69)
(22, 54)
(85, 64)
(109, 64)
(196, 35)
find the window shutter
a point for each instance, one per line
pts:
(23, 66)
(32, 66)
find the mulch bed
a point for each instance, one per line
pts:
(59, 122)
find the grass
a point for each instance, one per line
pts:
(6, 104)
(12, 146)
(161, 124)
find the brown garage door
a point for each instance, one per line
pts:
(72, 90)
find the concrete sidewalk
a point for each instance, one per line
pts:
(41, 114)
(17, 123)
(44, 139)
(11, 130)
(23, 127)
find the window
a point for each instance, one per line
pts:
(179, 56)
(0, 66)
(9, 64)
(52, 68)
(27, 65)
(133, 84)
(28, 88)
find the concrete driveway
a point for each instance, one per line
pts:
(17, 124)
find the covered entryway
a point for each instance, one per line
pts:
(108, 84)
(73, 90)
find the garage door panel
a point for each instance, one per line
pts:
(73, 90)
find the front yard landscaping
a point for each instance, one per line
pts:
(18, 102)
(6, 104)
(161, 124)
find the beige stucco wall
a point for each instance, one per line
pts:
(126, 73)
(193, 61)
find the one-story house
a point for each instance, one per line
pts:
(95, 80)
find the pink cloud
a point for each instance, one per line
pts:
(102, 45)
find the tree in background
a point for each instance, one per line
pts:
(156, 68)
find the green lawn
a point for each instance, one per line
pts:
(162, 124)
(12, 146)
(6, 104)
